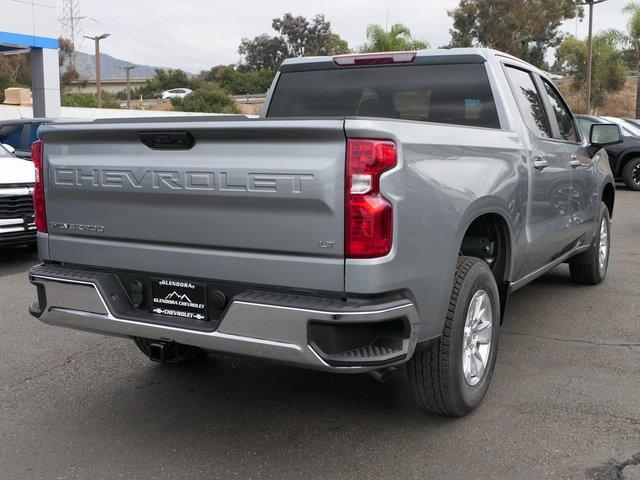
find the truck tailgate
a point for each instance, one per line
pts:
(256, 201)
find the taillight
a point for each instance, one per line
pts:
(39, 208)
(383, 58)
(368, 215)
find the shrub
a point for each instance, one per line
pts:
(89, 100)
(240, 81)
(208, 99)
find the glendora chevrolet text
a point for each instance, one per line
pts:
(375, 219)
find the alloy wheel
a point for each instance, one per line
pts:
(476, 346)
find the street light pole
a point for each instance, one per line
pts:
(98, 78)
(128, 70)
(591, 3)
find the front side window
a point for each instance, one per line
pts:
(458, 94)
(529, 101)
(585, 125)
(562, 114)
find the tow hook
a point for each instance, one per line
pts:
(383, 374)
(162, 350)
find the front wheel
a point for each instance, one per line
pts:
(631, 174)
(452, 375)
(590, 268)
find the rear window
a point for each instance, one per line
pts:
(455, 94)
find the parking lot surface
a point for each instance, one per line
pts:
(564, 403)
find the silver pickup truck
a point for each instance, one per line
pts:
(378, 215)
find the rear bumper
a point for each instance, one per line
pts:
(313, 332)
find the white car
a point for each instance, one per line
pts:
(176, 93)
(17, 178)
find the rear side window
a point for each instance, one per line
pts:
(458, 94)
(529, 101)
(11, 135)
(562, 114)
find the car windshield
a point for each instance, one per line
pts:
(4, 153)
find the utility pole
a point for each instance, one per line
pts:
(591, 3)
(128, 70)
(98, 79)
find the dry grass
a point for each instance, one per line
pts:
(619, 104)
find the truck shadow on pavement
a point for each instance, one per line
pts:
(14, 259)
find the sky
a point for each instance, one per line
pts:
(197, 34)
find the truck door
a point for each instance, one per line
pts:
(550, 175)
(584, 202)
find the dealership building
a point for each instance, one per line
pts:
(32, 26)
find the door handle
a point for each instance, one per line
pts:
(540, 164)
(167, 140)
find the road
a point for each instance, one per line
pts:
(564, 402)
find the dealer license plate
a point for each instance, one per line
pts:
(179, 298)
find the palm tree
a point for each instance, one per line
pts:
(397, 39)
(631, 38)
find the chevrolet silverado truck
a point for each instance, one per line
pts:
(377, 215)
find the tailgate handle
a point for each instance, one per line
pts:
(168, 140)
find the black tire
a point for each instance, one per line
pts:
(631, 174)
(435, 370)
(183, 353)
(585, 268)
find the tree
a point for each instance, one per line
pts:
(523, 28)
(297, 37)
(68, 72)
(309, 38)
(608, 73)
(207, 99)
(15, 71)
(397, 39)
(263, 52)
(630, 38)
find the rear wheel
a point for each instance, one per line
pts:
(631, 174)
(168, 353)
(452, 375)
(590, 268)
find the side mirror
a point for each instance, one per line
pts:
(8, 148)
(605, 134)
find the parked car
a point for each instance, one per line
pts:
(176, 93)
(379, 216)
(17, 226)
(21, 133)
(623, 157)
(635, 123)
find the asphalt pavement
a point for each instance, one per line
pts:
(564, 403)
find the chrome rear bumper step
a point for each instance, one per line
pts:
(269, 325)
